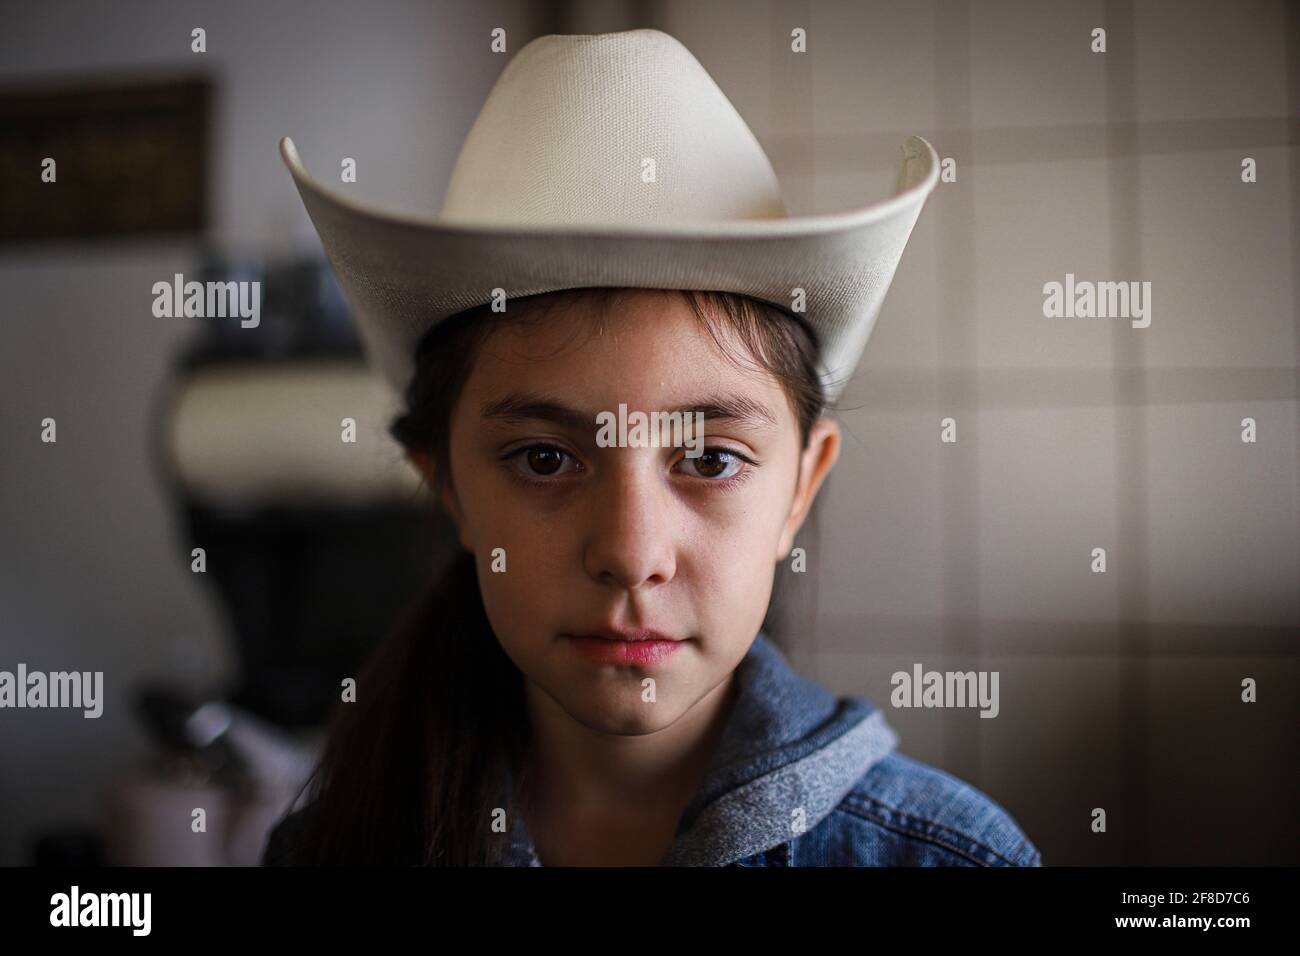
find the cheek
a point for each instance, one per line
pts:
(498, 514)
(732, 580)
(749, 524)
(730, 565)
(520, 608)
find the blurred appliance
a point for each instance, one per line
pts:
(312, 545)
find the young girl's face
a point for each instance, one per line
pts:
(571, 538)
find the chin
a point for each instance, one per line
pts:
(628, 716)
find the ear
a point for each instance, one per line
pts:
(815, 464)
(423, 463)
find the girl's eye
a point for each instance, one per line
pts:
(716, 464)
(541, 461)
(719, 466)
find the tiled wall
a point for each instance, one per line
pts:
(1118, 690)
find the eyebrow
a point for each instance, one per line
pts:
(529, 406)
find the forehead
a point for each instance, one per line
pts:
(642, 347)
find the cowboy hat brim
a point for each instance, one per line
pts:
(402, 273)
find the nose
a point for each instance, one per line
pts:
(630, 542)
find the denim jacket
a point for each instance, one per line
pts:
(803, 778)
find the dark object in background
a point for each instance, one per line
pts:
(131, 158)
(309, 593)
(303, 313)
(310, 575)
(308, 586)
(73, 846)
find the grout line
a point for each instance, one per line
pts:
(1052, 389)
(795, 606)
(1012, 145)
(959, 464)
(1293, 103)
(1038, 637)
(1129, 553)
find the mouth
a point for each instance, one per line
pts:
(631, 646)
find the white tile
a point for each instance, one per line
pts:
(1219, 257)
(881, 531)
(1032, 63)
(873, 65)
(1223, 515)
(1047, 498)
(1036, 222)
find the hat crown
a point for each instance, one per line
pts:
(622, 128)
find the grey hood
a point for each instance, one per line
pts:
(789, 753)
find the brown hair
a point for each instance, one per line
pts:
(407, 774)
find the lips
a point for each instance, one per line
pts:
(631, 634)
(640, 646)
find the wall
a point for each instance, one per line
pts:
(94, 576)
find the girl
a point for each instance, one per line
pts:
(590, 683)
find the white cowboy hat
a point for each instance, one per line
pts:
(613, 159)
